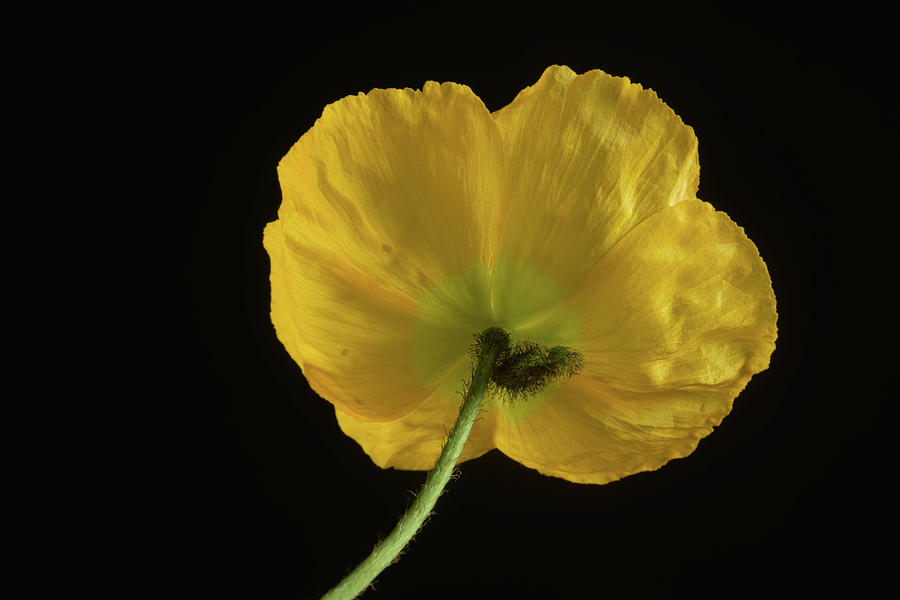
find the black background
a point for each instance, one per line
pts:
(210, 469)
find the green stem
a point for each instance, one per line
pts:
(491, 344)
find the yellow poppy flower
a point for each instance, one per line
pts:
(412, 220)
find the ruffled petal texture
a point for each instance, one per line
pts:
(678, 316)
(387, 193)
(588, 157)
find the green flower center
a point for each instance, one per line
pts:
(510, 294)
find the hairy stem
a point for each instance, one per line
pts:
(490, 344)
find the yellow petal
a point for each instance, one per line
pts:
(414, 441)
(389, 192)
(589, 157)
(676, 318)
(684, 299)
(591, 433)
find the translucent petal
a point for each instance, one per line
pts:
(591, 433)
(676, 318)
(387, 193)
(684, 299)
(414, 441)
(588, 158)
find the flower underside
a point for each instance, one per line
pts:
(569, 218)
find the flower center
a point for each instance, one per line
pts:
(509, 293)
